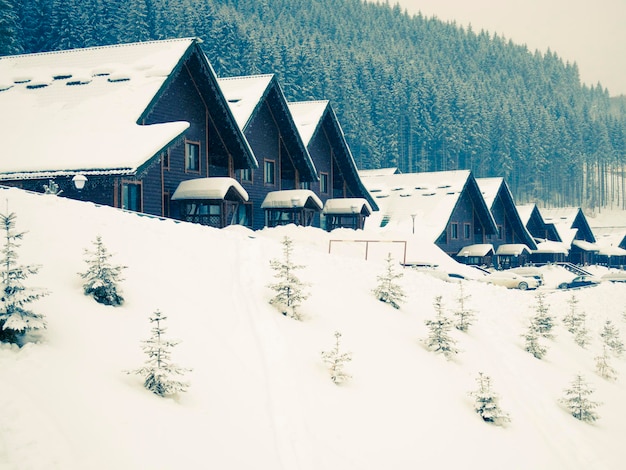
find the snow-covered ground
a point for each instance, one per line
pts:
(260, 396)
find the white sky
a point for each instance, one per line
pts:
(592, 34)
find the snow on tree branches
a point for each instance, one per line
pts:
(388, 290)
(531, 340)
(543, 320)
(575, 322)
(15, 318)
(439, 339)
(577, 402)
(160, 375)
(486, 402)
(336, 360)
(464, 316)
(290, 291)
(102, 277)
(611, 338)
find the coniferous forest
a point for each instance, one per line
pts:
(409, 91)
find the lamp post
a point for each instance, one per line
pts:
(413, 220)
(79, 183)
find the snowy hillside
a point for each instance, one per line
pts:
(260, 397)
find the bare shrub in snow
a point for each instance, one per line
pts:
(336, 360)
(102, 277)
(603, 366)
(290, 291)
(611, 338)
(15, 318)
(439, 339)
(160, 375)
(531, 340)
(577, 400)
(464, 315)
(486, 402)
(388, 290)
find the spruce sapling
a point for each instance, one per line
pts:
(102, 277)
(464, 316)
(388, 290)
(486, 402)
(336, 360)
(572, 319)
(610, 337)
(439, 339)
(603, 367)
(532, 344)
(290, 291)
(15, 319)
(577, 402)
(159, 373)
(543, 320)
(581, 336)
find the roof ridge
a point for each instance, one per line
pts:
(242, 77)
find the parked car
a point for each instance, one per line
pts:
(580, 281)
(511, 280)
(440, 274)
(615, 276)
(528, 271)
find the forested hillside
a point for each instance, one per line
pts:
(410, 91)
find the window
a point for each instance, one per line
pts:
(467, 231)
(324, 183)
(454, 231)
(245, 174)
(269, 172)
(192, 156)
(165, 160)
(305, 185)
(131, 196)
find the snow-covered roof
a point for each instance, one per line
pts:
(479, 249)
(525, 211)
(549, 246)
(307, 116)
(429, 198)
(348, 205)
(563, 220)
(585, 245)
(512, 249)
(292, 198)
(610, 250)
(378, 172)
(244, 95)
(79, 109)
(489, 188)
(217, 188)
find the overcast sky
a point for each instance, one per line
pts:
(590, 33)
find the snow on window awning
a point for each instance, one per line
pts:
(512, 249)
(292, 199)
(347, 205)
(217, 188)
(480, 249)
(585, 245)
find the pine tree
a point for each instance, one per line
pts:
(611, 338)
(290, 291)
(603, 367)
(464, 316)
(543, 320)
(581, 336)
(388, 290)
(161, 376)
(336, 360)
(15, 318)
(532, 344)
(577, 402)
(9, 29)
(102, 277)
(439, 339)
(572, 319)
(486, 402)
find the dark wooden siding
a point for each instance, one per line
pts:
(462, 214)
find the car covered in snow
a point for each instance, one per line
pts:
(528, 271)
(511, 280)
(580, 281)
(614, 276)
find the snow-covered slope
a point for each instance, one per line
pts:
(260, 396)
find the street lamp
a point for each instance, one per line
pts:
(413, 219)
(79, 181)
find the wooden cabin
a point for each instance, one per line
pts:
(261, 112)
(132, 120)
(550, 248)
(446, 207)
(338, 176)
(574, 231)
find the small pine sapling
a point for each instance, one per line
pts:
(486, 402)
(581, 336)
(102, 277)
(577, 400)
(464, 315)
(336, 360)
(543, 320)
(290, 291)
(572, 319)
(15, 319)
(603, 367)
(388, 290)
(160, 375)
(439, 339)
(531, 341)
(611, 338)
